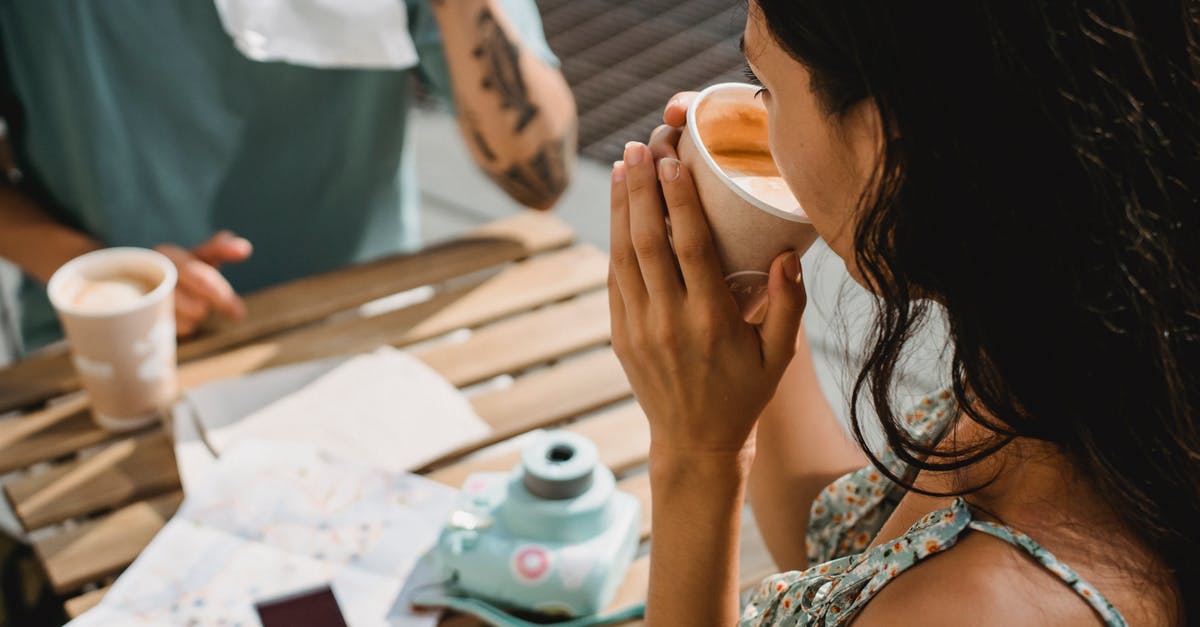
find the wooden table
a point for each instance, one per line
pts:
(536, 308)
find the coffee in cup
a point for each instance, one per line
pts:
(752, 214)
(110, 294)
(117, 309)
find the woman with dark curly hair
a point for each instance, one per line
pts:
(1032, 170)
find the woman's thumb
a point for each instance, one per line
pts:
(785, 306)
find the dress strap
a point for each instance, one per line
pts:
(1089, 593)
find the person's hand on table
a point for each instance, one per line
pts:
(201, 289)
(700, 372)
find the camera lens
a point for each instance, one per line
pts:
(560, 465)
(560, 453)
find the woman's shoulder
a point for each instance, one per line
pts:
(980, 582)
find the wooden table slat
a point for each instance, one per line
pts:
(104, 546)
(84, 602)
(141, 466)
(522, 286)
(307, 300)
(620, 433)
(107, 544)
(520, 343)
(541, 398)
(633, 588)
(549, 309)
(756, 563)
(57, 430)
(126, 471)
(639, 486)
(50, 432)
(316, 297)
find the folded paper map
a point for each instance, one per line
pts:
(273, 519)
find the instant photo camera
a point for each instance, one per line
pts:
(553, 536)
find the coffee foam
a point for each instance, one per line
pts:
(734, 132)
(108, 295)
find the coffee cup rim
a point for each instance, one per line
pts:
(67, 270)
(694, 131)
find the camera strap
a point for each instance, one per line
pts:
(494, 616)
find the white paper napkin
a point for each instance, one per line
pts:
(385, 409)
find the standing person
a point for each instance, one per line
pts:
(1033, 169)
(149, 124)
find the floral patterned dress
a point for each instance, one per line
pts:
(845, 519)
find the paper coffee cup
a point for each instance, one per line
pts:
(117, 309)
(749, 230)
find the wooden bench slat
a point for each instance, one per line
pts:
(47, 433)
(313, 298)
(84, 602)
(126, 471)
(104, 546)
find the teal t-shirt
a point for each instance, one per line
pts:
(146, 125)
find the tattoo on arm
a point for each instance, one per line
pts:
(502, 70)
(481, 143)
(539, 180)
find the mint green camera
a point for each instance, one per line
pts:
(553, 536)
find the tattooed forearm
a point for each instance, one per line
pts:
(539, 181)
(471, 125)
(502, 72)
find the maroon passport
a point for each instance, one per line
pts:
(310, 608)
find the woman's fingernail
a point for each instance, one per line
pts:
(618, 171)
(791, 266)
(633, 153)
(668, 169)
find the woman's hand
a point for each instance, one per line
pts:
(666, 136)
(700, 372)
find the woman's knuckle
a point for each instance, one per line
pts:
(690, 249)
(621, 259)
(666, 331)
(647, 246)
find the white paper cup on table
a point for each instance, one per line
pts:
(751, 212)
(117, 309)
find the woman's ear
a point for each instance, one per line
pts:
(862, 127)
